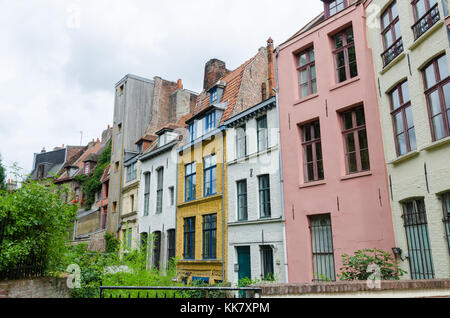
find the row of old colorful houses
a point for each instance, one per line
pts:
(336, 140)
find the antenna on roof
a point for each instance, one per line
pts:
(81, 139)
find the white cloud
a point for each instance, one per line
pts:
(60, 60)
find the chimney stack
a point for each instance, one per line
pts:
(214, 70)
(180, 84)
(271, 67)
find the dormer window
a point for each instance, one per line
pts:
(213, 95)
(191, 132)
(333, 7)
(86, 167)
(210, 121)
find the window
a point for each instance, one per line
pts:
(41, 171)
(121, 89)
(157, 250)
(312, 152)
(392, 41)
(131, 203)
(159, 190)
(417, 237)
(189, 182)
(86, 168)
(114, 206)
(171, 247)
(213, 95)
(191, 132)
(426, 14)
(131, 172)
(242, 200)
(264, 196)
(333, 7)
(209, 236)
(189, 238)
(402, 118)
(171, 196)
(437, 92)
(116, 166)
(345, 55)
(241, 142)
(355, 137)
(307, 73)
(144, 244)
(146, 193)
(446, 210)
(262, 135)
(209, 175)
(322, 248)
(267, 262)
(210, 121)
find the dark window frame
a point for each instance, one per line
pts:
(210, 236)
(242, 210)
(309, 64)
(329, 7)
(147, 180)
(190, 194)
(264, 193)
(241, 141)
(323, 268)
(439, 87)
(355, 132)
(445, 197)
(189, 238)
(159, 189)
(423, 23)
(262, 133)
(401, 109)
(393, 50)
(346, 46)
(208, 171)
(315, 143)
(267, 262)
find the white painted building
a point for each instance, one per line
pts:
(410, 45)
(256, 239)
(157, 190)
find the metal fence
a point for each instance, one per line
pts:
(28, 266)
(178, 292)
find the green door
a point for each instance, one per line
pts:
(243, 253)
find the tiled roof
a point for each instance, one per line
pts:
(231, 92)
(105, 175)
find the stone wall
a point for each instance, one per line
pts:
(44, 287)
(360, 289)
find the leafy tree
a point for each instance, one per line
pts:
(356, 267)
(2, 175)
(38, 224)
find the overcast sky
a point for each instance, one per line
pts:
(60, 59)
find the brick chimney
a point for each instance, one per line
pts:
(271, 68)
(214, 70)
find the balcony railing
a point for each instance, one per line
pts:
(426, 21)
(392, 52)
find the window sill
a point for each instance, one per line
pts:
(305, 99)
(426, 35)
(312, 184)
(437, 144)
(404, 157)
(345, 83)
(257, 221)
(394, 62)
(356, 175)
(196, 201)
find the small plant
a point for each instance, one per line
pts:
(356, 267)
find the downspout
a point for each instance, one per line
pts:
(223, 205)
(281, 168)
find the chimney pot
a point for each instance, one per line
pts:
(180, 84)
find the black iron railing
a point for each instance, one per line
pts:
(392, 52)
(426, 21)
(178, 292)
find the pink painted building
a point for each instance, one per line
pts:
(336, 195)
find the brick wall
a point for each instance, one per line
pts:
(401, 288)
(44, 287)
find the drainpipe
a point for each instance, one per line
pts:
(281, 169)
(223, 204)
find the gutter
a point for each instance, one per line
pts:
(122, 154)
(281, 169)
(223, 205)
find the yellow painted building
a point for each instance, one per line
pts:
(200, 263)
